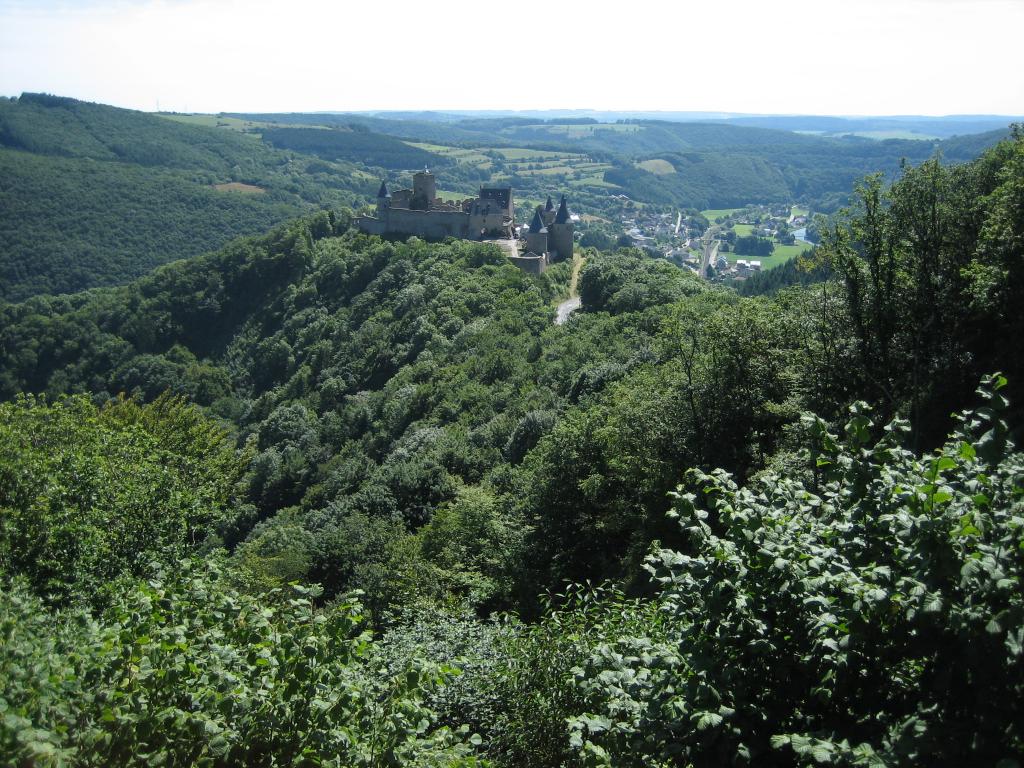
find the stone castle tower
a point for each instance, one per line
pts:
(537, 235)
(560, 233)
(549, 213)
(424, 191)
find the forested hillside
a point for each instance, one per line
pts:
(802, 558)
(93, 195)
(716, 165)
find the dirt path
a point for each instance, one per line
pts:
(572, 303)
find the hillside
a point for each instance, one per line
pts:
(728, 529)
(717, 164)
(93, 195)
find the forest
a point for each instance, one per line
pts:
(92, 195)
(322, 498)
(717, 164)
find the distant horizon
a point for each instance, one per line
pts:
(875, 58)
(553, 111)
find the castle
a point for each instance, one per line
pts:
(488, 216)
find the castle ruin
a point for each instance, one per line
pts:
(488, 216)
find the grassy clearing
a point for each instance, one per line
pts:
(237, 186)
(713, 213)
(593, 181)
(658, 167)
(743, 230)
(786, 252)
(796, 210)
(780, 255)
(230, 123)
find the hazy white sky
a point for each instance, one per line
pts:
(772, 56)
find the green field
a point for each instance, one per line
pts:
(556, 170)
(658, 167)
(448, 194)
(533, 155)
(713, 213)
(796, 210)
(786, 252)
(593, 181)
(743, 230)
(231, 123)
(781, 255)
(460, 155)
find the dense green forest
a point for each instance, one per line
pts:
(92, 195)
(355, 144)
(363, 503)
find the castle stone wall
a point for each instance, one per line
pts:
(434, 225)
(530, 263)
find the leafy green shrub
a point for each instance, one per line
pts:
(869, 614)
(89, 493)
(183, 670)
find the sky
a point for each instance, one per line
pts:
(829, 57)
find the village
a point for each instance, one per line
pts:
(723, 244)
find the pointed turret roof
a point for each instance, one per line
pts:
(563, 213)
(537, 225)
(549, 206)
(383, 191)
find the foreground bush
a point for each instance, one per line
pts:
(183, 670)
(868, 614)
(89, 493)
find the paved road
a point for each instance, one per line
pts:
(571, 304)
(566, 308)
(710, 251)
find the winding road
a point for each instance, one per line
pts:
(572, 303)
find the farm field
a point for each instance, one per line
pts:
(659, 167)
(531, 155)
(237, 186)
(780, 255)
(713, 213)
(231, 123)
(459, 154)
(786, 252)
(743, 230)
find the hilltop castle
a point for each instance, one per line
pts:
(488, 216)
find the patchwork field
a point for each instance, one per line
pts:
(458, 154)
